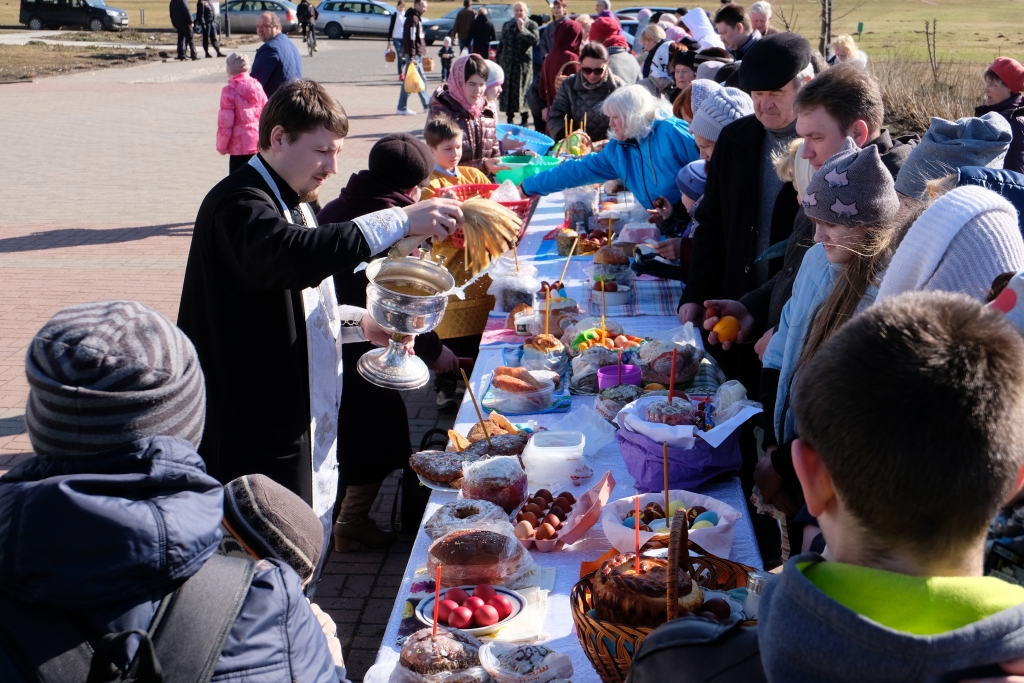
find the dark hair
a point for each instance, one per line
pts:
(683, 103)
(999, 284)
(733, 14)
(916, 408)
(713, 54)
(440, 129)
(991, 75)
(594, 50)
(476, 66)
(467, 3)
(300, 107)
(848, 93)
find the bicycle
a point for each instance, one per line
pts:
(311, 40)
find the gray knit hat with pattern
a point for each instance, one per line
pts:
(273, 522)
(718, 110)
(852, 188)
(108, 373)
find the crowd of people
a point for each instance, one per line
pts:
(875, 279)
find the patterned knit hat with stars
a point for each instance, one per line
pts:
(852, 188)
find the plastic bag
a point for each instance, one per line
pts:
(555, 360)
(585, 367)
(506, 192)
(595, 430)
(413, 650)
(580, 205)
(588, 323)
(621, 275)
(489, 553)
(655, 360)
(461, 514)
(613, 399)
(637, 232)
(554, 459)
(506, 265)
(500, 480)
(413, 81)
(510, 663)
(513, 289)
(474, 674)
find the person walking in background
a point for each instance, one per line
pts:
(463, 28)
(547, 39)
(206, 18)
(395, 32)
(447, 55)
(277, 61)
(307, 14)
(518, 36)
(760, 18)
(238, 123)
(482, 34)
(414, 48)
(1004, 81)
(181, 20)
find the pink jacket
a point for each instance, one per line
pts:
(238, 123)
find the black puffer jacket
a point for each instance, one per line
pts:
(575, 99)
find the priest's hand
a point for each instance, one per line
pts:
(375, 334)
(446, 362)
(434, 218)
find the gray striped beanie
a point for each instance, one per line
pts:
(271, 521)
(107, 373)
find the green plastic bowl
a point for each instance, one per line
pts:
(521, 168)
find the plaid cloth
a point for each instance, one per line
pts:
(651, 296)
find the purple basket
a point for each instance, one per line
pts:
(687, 467)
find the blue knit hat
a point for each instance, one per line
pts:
(691, 179)
(949, 145)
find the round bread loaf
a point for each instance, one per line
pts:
(612, 256)
(474, 556)
(449, 650)
(623, 596)
(510, 321)
(501, 444)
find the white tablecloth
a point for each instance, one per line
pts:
(558, 626)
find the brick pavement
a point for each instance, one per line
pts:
(101, 177)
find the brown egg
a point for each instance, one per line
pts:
(535, 509)
(568, 496)
(563, 503)
(533, 520)
(539, 502)
(545, 494)
(557, 512)
(524, 530)
(553, 521)
(545, 532)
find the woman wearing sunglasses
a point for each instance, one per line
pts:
(582, 95)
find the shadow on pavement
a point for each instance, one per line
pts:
(74, 237)
(9, 426)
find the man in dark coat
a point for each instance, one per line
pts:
(482, 34)
(207, 20)
(260, 306)
(181, 20)
(277, 61)
(464, 24)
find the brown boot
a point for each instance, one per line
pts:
(354, 523)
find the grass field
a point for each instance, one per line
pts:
(972, 30)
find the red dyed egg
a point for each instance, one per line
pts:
(502, 604)
(456, 594)
(444, 609)
(484, 591)
(461, 617)
(486, 616)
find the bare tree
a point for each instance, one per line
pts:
(825, 38)
(788, 20)
(933, 52)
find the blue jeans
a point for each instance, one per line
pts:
(399, 57)
(403, 98)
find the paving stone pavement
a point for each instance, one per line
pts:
(101, 177)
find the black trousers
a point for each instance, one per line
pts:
(210, 33)
(237, 161)
(186, 38)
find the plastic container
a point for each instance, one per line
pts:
(523, 321)
(524, 402)
(524, 167)
(535, 142)
(619, 297)
(608, 376)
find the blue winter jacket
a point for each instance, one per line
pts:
(814, 281)
(105, 536)
(1008, 184)
(277, 62)
(648, 167)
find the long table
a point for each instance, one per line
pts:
(558, 626)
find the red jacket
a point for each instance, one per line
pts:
(565, 48)
(238, 123)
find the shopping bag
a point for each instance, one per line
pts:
(413, 81)
(389, 55)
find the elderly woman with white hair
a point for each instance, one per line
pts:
(760, 18)
(647, 148)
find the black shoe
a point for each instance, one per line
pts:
(220, 54)
(180, 58)
(209, 56)
(524, 121)
(195, 58)
(446, 400)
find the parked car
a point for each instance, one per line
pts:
(245, 12)
(435, 30)
(630, 12)
(345, 19)
(91, 14)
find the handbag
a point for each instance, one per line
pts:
(389, 55)
(413, 81)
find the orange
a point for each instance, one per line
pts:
(727, 329)
(654, 386)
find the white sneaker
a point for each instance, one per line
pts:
(405, 112)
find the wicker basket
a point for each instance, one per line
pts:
(610, 647)
(428, 64)
(467, 317)
(463, 192)
(561, 76)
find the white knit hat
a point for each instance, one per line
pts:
(700, 88)
(960, 244)
(720, 108)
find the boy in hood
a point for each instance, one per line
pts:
(904, 509)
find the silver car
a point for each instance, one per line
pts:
(346, 18)
(244, 13)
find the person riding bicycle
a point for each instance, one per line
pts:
(307, 14)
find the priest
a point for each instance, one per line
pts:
(259, 304)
